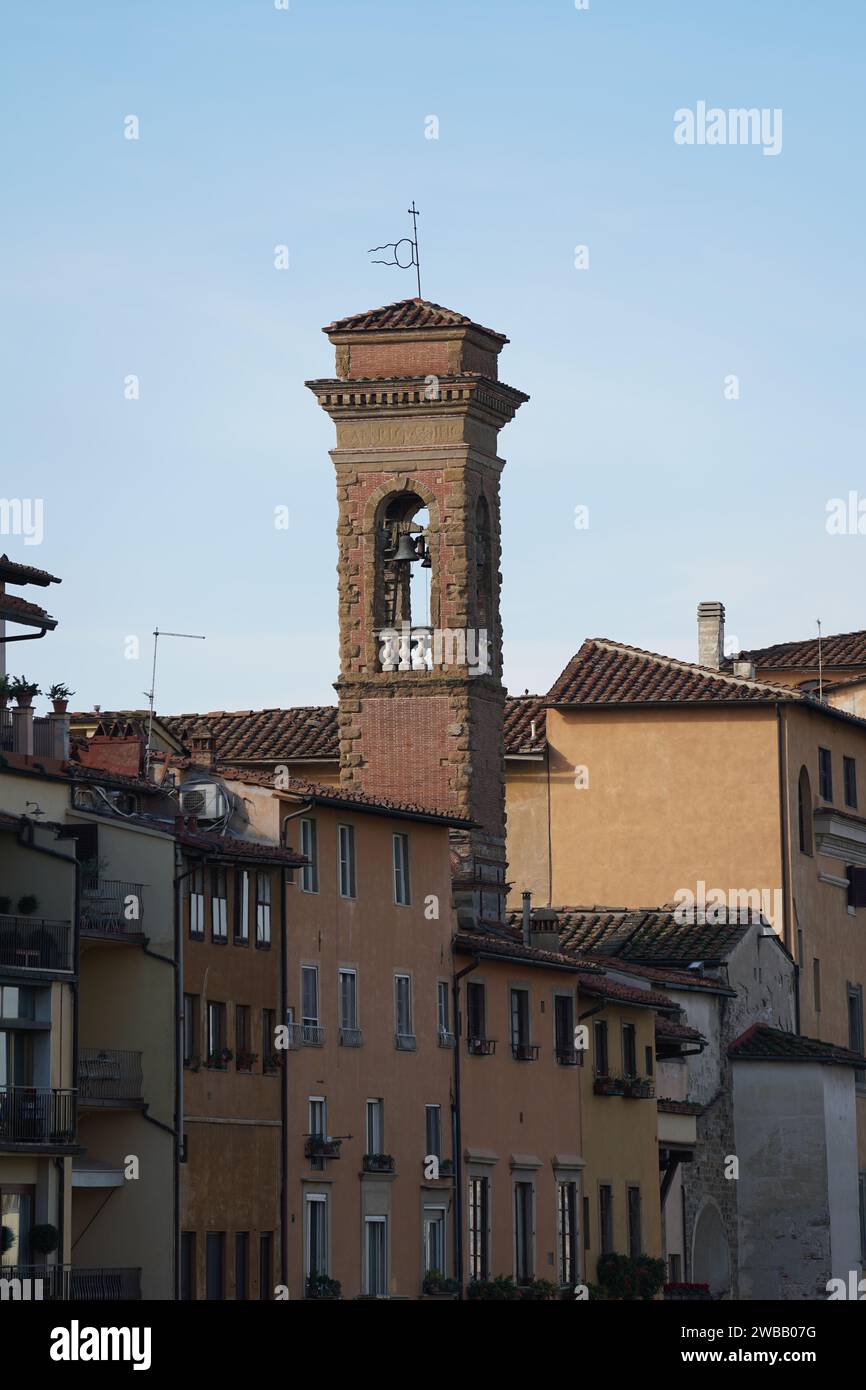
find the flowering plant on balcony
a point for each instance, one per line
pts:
(608, 1086)
(5, 692)
(637, 1088)
(630, 1277)
(272, 1062)
(7, 1239)
(437, 1284)
(221, 1058)
(247, 1060)
(501, 1288)
(44, 1240)
(322, 1286)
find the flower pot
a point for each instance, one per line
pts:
(24, 701)
(60, 706)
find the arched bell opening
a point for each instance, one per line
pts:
(405, 579)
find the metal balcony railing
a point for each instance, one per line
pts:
(43, 738)
(107, 1074)
(7, 737)
(306, 1035)
(33, 1115)
(35, 943)
(351, 1037)
(111, 907)
(69, 1283)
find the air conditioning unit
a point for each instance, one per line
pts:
(206, 801)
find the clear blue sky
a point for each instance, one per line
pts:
(260, 127)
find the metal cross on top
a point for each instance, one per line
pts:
(394, 246)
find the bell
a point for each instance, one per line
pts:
(426, 563)
(406, 548)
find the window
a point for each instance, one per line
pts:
(309, 877)
(17, 1002)
(863, 1216)
(216, 1031)
(187, 1266)
(242, 907)
(266, 1264)
(348, 982)
(563, 1027)
(648, 1059)
(825, 774)
(196, 902)
(310, 1004)
(318, 1122)
(375, 1127)
(316, 1239)
(635, 1239)
(401, 870)
(605, 1218)
(263, 909)
(816, 984)
(16, 1060)
(519, 1017)
(443, 1014)
(404, 1037)
(242, 1264)
(433, 1114)
(346, 847)
(215, 1242)
(566, 1207)
(855, 1027)
(435, 1257)
(219, 905)
(586, 1223)
(524, 1265)
(479, 1207)
(600, 1036)
(804, 812)
(849, 770)
(476, 1012)
(243, 1035)
(675, 1268)
(629, 1050)
(269, 1035)
(190, 1029)
(376, 1256)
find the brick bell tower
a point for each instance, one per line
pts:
(418, 406)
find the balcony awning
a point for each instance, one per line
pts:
(93, 1172)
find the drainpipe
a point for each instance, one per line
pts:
(457, 1129)
(527, 912)
(787, 929)
(179, 1136)
(284, 1070)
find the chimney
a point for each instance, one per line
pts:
(711, 635)
(746, 669)
(527, 909)
(200, 742)
(544, 929)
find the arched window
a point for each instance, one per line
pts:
(402, 589)
(804, 812)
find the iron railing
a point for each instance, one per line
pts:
(35, 943)
(351, 1037)
(7, 737)
(108, 1074)
(35, 1115)
(306, 1035)
(111, 907)
(69, 1283)
(43, 738)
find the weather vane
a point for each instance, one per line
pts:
(411, 242)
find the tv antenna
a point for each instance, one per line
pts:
(151, 694)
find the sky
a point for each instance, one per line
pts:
(258, 127)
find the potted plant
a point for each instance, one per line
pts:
(22, 690)
(539, 1291)
(44, 1240)
(27, 905)
(630, 1277)
(322, 1286)
(5, 690)
(687, 1292)
(496, 1290)
(272, 1063)
(7, 1239)
(247, 1060)
(60, 695)
(378, 1163)
(608, 1086)
(220, 1058)
(437, 1285)
(194, 1064)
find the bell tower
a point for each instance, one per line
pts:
(418, 406)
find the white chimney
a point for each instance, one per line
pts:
(711, 635)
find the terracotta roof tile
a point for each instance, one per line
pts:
(611, 673)
(410, 314)
(649, 936)
(667, 1029)
(14, 573)
(340, 796)
(679, 1107)
(522, 712)
(760, 1043)
(844, 649)
(20, 610)
(268, 735)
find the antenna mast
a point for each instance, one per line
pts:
(151, 694)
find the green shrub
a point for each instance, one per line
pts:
(630, 1277)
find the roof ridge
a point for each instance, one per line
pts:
(676, 663)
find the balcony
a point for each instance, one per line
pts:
(351, 1037)
(525, 1051)
(69, 1283)
(317, 1146)
(112, 908)
(34, 943)
(405, 1042)
(32, 1115)
(567, 1057)
(379, 1163)
(480, 1047)
(109, 1077)
(445, 1038)
(306, 1035)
